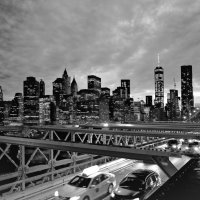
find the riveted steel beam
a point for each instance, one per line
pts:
(114, 151)
(165, 164)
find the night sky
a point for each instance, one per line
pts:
(112, 39)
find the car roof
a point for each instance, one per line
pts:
(94, 174)
(141, 173)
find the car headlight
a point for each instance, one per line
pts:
(75, 198)
(112, 194)
(136, 198)
(196, 148)
(174, 146)
(56, 194)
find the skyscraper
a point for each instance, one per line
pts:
(94, 83)
(31, 87)
(149, 101)
(58, 90)
(31, 99)
(173, 104)
(47, 109)
(105, 91)
(66, 83)
(42, 88)
(16, 109)
(74, 87)
(125, 83)
(186, 89)
(159, 86)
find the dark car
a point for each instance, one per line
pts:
(173, 144)
(136, 185)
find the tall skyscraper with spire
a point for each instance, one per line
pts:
(159, 85)
(187, 99)
(66, 83)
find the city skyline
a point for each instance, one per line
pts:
(41, 40)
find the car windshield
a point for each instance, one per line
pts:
(80, 181)
(172, 142)
(193, 144)
(132, 183)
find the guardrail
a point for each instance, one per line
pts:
(40, 179)
(44, 192)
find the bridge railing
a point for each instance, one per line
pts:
(164, 189)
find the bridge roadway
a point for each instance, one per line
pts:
(192, 132)
(159, 157)
(119, 168)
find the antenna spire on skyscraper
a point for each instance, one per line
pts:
(174, 84)
(158, 59)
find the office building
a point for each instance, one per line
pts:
(66, 83)
(125, 83)
(31, 100)
(74, 87)
(159, 87)
(120, 92)
(105, 92)
(94, 83)
(187, 98)
(16, 110)
(47, 109)
(42, 88)
(173, 104)
(58, 90)
(149, 101)
(103, 109)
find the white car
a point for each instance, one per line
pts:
(89, 185)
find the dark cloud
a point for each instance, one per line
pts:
(112, 39)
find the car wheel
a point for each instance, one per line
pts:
(110, 189)
(86, 198)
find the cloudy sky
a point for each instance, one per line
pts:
(112, 39)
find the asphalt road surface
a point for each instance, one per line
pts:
(138, 165)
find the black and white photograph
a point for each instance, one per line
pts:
(99, 100)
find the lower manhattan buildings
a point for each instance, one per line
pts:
(96, 104)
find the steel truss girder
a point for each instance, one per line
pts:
(186, 133)
(24, 167)
(4, 153)
(165, 164)
(149, 131)
(87, 148)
